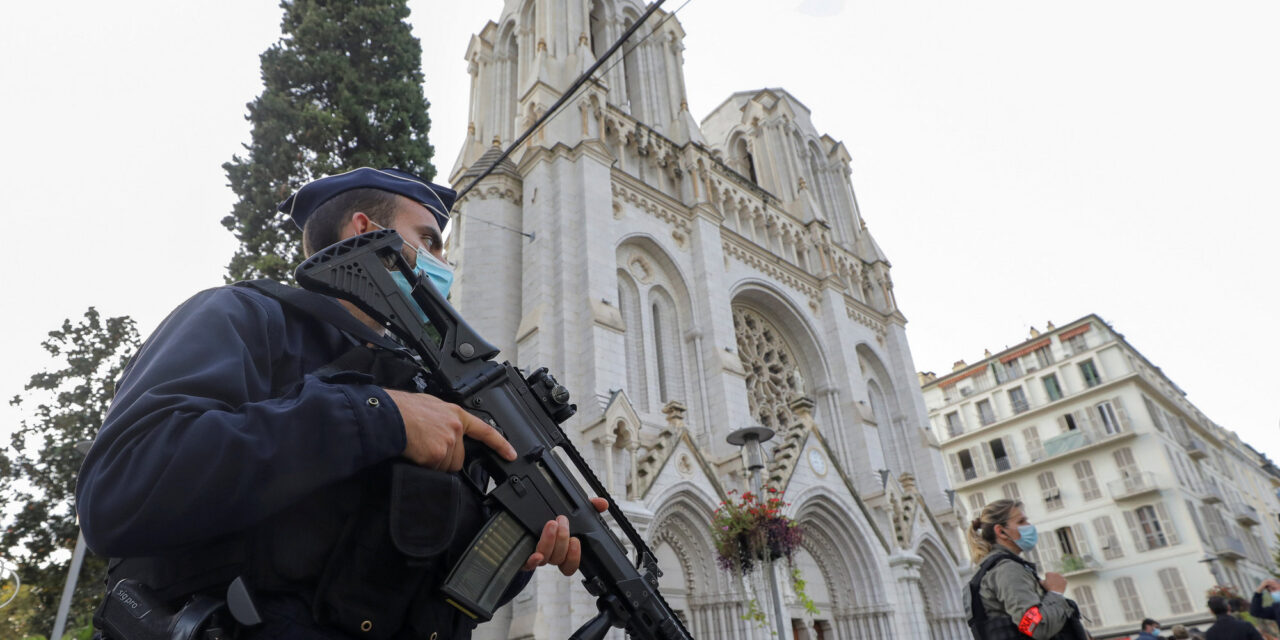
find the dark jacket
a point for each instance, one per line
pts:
(1258, 611)
(1231, 628)
(224, 448)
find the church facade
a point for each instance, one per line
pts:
(685, 280)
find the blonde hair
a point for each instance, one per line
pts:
(982, 531)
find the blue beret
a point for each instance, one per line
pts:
(311, 195)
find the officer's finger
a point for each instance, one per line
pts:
(547, 542)
(534, 561)
(474, 427)
(458, 455)
(572, 558)
(600, 504)
(562, 542)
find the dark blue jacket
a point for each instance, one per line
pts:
(218, 423)
(1258, 611)
(223, 447)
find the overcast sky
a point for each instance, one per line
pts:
(1019, 162)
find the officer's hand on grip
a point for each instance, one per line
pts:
(557, 548)
(1054, 582)
(434, 431)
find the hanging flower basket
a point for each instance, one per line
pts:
(747, 530)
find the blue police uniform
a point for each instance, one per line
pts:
(235, 447)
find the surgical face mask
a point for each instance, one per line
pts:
(1028, 536)
(440, 273)
(1275, 596)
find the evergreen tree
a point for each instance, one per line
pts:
(343, 89)
(64, 405)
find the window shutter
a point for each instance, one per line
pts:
(1139, 540)
(1154, 413)
(1052, 553)
(957, 474)
(1062, 424)
(1082, 540)
(1170, 533)
(1122, 415)
(1195, 519)
(988, 457)
(1008, 450)
(1084, 421)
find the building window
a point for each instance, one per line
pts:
(1013, 369)
(1051, 387)
(968, 469)
(1154, 413)
(1077, 344)
(1018, 400)
(1152, 530)
(1107, 538)
(1044, 356)
(999, 455)
(985, 413)
(1010, 491)
(976, 502)
(1068, 422)
(1127, 465)
(1066, 541)
(1128, 598)
(1090, 374)
(954, 426)
(1049, 491)
(1088, 606)
(1110, 420)
(1175, 590)
(1035, 450)
(1088, 483)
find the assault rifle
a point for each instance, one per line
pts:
(536, 487)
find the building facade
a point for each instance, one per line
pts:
(1141, 501)
(685, 280)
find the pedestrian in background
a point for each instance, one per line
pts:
(1228, 627)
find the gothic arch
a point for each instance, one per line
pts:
(852, 572)
(941, 591)
(657, 323)
(709, 598)
(892, 425)
(776, 307)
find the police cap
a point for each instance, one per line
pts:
(311, 195)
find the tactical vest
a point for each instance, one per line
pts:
(1002, 627)
(367, 553)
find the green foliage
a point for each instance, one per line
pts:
(342, 89)
(798, 584)
(63, 405)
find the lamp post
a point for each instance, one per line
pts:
(77, 559)
(751, 439)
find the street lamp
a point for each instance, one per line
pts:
(751, 439)
(77, 559)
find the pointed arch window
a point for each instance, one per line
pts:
(637, 376)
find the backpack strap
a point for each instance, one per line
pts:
(322, 308)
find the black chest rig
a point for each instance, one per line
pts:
(367, 553)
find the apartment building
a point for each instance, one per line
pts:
(1141, 501)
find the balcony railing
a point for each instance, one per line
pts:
(1212, 494)
(1195, 447)
(1073, 564)
(1133, 486)
(1246, 515)
(1228, 546)
(1020, 406)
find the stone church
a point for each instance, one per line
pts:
(684, 280)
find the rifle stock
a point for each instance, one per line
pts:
(529, 491)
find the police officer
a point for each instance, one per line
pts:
(249, 438)
(1005, 599)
